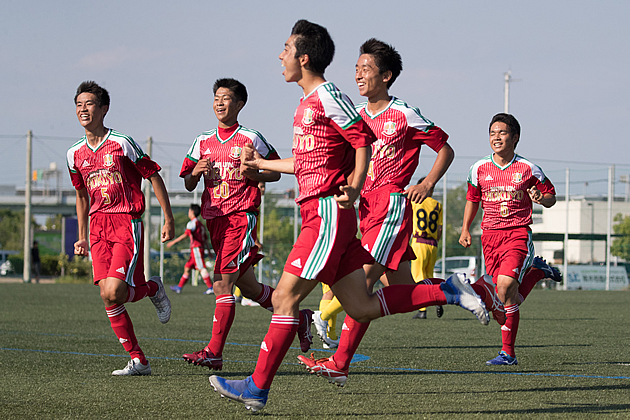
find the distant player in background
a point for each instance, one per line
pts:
(198, 244)
(507, 184)
(331, 156)
(427, 232)
(229, 204)
(106, 169)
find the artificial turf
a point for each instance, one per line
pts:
(57, 351)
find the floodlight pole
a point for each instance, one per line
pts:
(506, 98)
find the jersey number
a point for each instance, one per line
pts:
(503, 209)
(106, 199)
(222, 190)
(423, 222)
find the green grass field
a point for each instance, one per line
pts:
(57, 351)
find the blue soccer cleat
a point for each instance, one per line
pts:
(459, 292)
(503, 359)
(550, 272)
(244, 391)
(176, 289)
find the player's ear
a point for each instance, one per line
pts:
(105, 108)
(240, 105)
(304, 60)
(387, 76)
(516, 139)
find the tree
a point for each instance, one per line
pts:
(11, 230)
(621, 246)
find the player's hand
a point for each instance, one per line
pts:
(168, 232)
(81, 248)
(250, 156)
(248, 172)
(203, 167)
(417, 193)
(535, 195)
(465, 239)
(348, 196)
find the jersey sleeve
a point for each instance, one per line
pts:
(191, 159)
(75, 175)
(340, 109)
(141, 160)
(542, 183)
(265, 148)
(474, 191)
(432, 136)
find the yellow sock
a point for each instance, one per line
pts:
(237, 292)
(332, 309)
(323, 303)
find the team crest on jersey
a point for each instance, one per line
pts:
(235, 152)
(517, 178)
(108, 160)
(389, 128)
(307, 118)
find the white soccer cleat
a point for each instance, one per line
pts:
(161, 301)
(459, 292)
(321, 326)
(134, 368)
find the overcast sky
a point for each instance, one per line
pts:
(569, 61)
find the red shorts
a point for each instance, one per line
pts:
(327, 248)
(117, 245)
(233, 239)
(508, 252)
(386, 226)
(196, 260)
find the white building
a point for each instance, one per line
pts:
(587, 215)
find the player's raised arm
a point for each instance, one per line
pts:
(252, 159)
(350, 192)
(417, 193)
(470, 211)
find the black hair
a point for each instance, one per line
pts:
(237, 88)
(510, 121)
(102, 96)
(196, 209)
(385, 56)
(315, 41)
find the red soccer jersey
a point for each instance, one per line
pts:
(111, 172)
(196, 233)
(226, 190)
(503, 191)
(326, 130)
(401, 131)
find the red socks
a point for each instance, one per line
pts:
(123, 328)
(274, 347)
(134, 294)
(530, 279)
(352, 333)
(221, 323)
(264, 299)
(183, 280)
(402, 298)
(509, 330)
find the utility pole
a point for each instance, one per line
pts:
(147, 217)
(27, 208)
(506, 98)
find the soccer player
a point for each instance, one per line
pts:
(427, 231)
(507, 184)
(106, 169)
(331, 155)
(229, 204)
(385, 206)
(198, 244)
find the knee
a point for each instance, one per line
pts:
(284, 302)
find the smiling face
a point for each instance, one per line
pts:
(89, 112)
(502, 141)
(292, 66)
(226, 107)
(370, 81)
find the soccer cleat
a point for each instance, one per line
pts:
(439, 311)
(458, 292)
(325, 368)
(330, 343)
(550, 272)
(134, 368)
(161, 301)
(209, 291)
(420, 315)
(321, 326)
(503, 359)
(492, 301)
(248, 302)
(244, 391)
(204, 358)
(176, 289)
(304, 329)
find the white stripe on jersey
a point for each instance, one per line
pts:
(327, 211)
